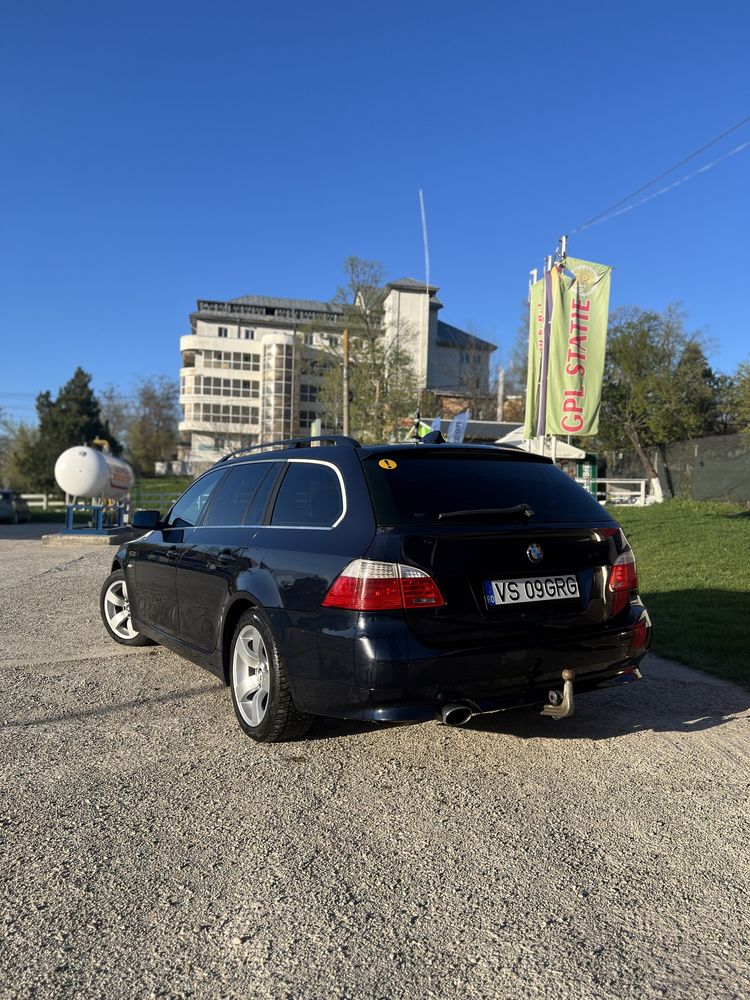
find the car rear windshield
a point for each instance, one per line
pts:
(414, 488)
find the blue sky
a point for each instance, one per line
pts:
(154, 153)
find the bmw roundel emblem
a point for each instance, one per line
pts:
(534, 552)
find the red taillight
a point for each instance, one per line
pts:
(367, 585)
(623, 575)
(623, 578)
(418, 589)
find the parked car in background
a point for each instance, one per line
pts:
(13, 508)
(385, 583)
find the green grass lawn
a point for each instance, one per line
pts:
(694, 568)
(171, 486)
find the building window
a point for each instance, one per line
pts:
(309, 339)
(308, 393)
(222, 413)
(206, 385)
(306, 418)
(223, 331)
(235, 360)
(248, 334)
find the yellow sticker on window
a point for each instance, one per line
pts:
(387, 463)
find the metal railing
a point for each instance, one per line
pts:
(620, 491)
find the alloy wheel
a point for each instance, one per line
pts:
(251, 677)
(117, 610)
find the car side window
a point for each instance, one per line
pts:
(187, 511)
(309, 497)
(236, 494)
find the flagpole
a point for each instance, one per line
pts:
(549, 263)
(541, 427)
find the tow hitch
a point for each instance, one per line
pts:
(561, 703)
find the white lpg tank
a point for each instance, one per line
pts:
(88, 472)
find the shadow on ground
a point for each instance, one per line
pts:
(671, 698)
(103, 711)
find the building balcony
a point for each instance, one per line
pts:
(192, 342)
(218, 427)
(230, 398)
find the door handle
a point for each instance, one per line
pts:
(172, 553)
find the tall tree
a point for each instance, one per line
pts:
(658, 386)
(117, 410)
(73, 418)
(515, 367)
(152, 430)
(741, 396)
(517, 364)
(18, 440)
(5, 435)
(382, 379)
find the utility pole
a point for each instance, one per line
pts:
(346, 382)
(500, 393)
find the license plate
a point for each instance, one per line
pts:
(530, 589)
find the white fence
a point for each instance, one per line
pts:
(621, 491)
(139, 501)
(44, 501)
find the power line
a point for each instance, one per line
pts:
(670, 187)
(665, 173)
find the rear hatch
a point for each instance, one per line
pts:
(515, 546)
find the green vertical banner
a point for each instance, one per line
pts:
(536, 349)
(577, 346)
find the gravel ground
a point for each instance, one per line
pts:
(150, 850)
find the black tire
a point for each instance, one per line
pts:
(114, 595)
(258, 681)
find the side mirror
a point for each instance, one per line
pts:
(146, 519)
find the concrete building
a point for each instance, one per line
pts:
(252, 367)
(449, 361)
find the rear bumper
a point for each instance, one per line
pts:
(394, 678)
(410, 711)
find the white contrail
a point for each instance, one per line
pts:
(426, 247)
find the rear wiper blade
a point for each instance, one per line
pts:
(521, 512)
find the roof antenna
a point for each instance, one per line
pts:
(417, 425)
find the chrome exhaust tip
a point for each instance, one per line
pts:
(456, 714)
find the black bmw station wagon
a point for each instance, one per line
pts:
(384, 583)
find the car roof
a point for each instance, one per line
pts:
(451, 450)
(334, 446)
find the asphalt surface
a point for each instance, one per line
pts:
(149, 849)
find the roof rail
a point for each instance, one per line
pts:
(336, 439)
